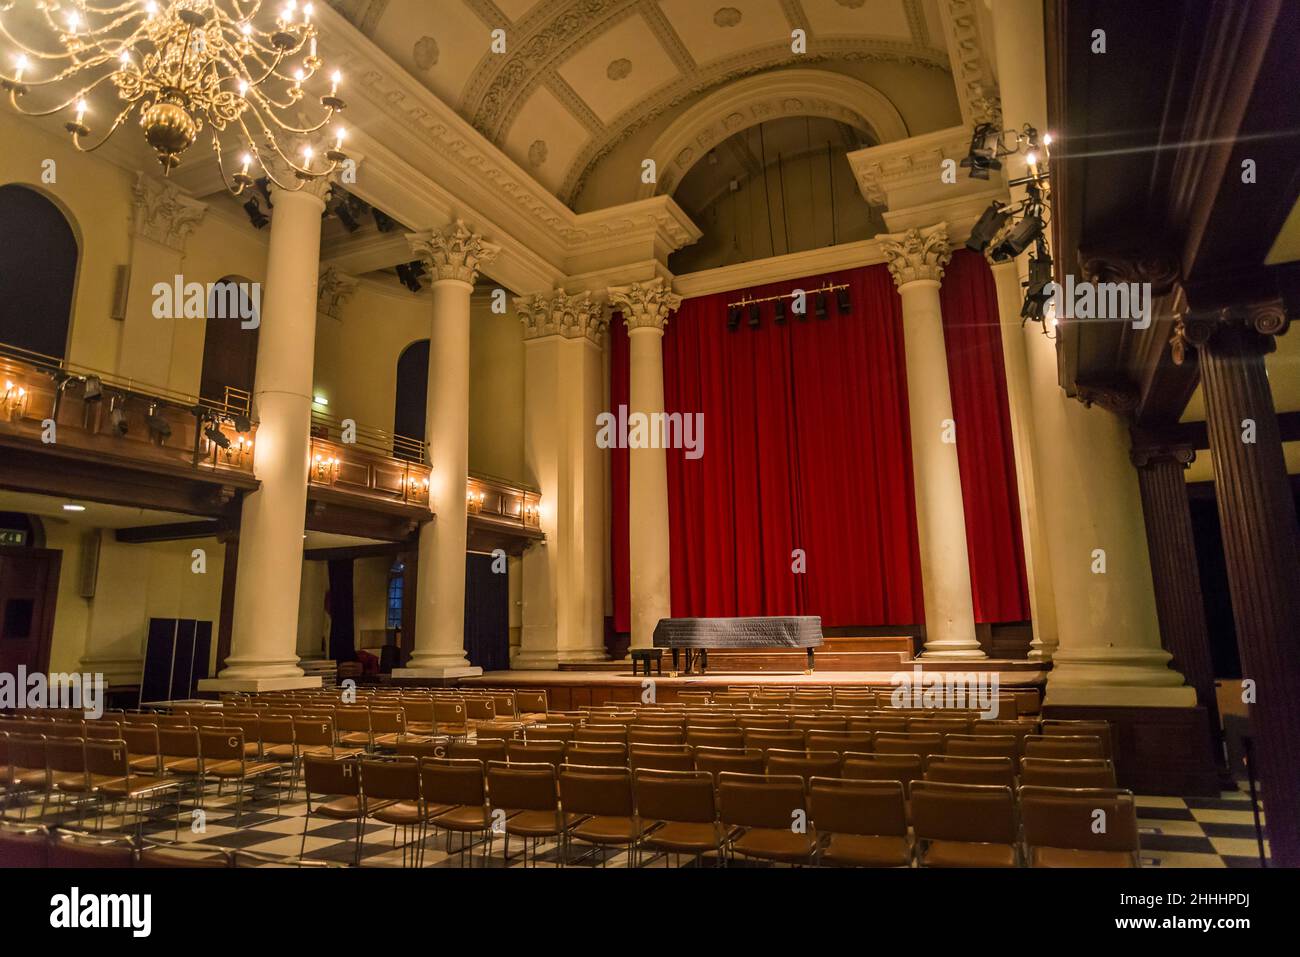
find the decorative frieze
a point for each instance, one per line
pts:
(645, 305)
(917, 254)
(456, 252)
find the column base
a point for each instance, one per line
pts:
(1117, 677)
(957, 649)
(1118, 696)
(259, 684)
(550, 659)
(457, 671)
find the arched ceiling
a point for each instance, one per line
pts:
(579, 76)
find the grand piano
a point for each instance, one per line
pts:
(694, 635)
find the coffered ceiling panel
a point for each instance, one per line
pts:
(871, 17)
(618, 68)
(516, 9)
(440, 43)
(712, 29)
(545, 138)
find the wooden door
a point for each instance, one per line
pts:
(29, 588)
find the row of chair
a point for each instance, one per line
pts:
(35, 845)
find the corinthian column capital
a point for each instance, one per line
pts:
(559, 314)
(163, 213)
(645, 305)
(917, 253)
(456, 252)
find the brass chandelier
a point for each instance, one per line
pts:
(183, 65)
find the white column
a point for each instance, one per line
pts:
(563, 581)
(453, 257)
(263, 646)
(916, 259)
(645, 308)
(1038, 562)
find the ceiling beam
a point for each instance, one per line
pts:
(174, 532)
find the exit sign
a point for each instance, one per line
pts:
(13, 536)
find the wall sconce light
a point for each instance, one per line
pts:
(324, 469)
(474, 501)
(117, 416)
(14, 400)
(159, 427)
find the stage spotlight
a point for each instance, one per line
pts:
(346, 218)
(843, 301)
(990, 221)
(117, 418)
(778, 311)
(1018, 239)
(383, 222)
(255, 214)
(216, 436)
(983, 155)
(159, 428)
(1040, 274)
(820, 305)
(242, 423)
(410, 278)
(733, 318)
(755, 315)
(94, 389)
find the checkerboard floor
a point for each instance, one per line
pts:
(1175, 832)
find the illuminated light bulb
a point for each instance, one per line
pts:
(1032, 159)
(335, 80)
(307, 154)
(1047, 139)
(20, 65)
(248, 161)
(124, 57)
(340, 134)
(243, 87)
(313, 47)
(297, 77)
(74, 22)
(151, 8)
(81, 111)
(246, 29)
(307, 11)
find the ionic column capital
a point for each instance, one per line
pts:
(1145, 457)
(559, 314)
(455, 253)
(645, 305)
(917, 254)
(1265, 320)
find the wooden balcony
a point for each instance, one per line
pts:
(502, 515)
(79, 432)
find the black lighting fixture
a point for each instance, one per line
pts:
(242, 423)
(383, 222)
(778, 311)
(983, 153)
(843, 300)
(1040, 275)
(1019, 237)
(755, 315)
(410, 273)
(216, 436)
(159, 427)
(93, 390)
(820, 306)
(988, 225)
(255, 215)
(733, 318)
(117, 417)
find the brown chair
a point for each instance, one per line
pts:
(860, 823)
(766, 817)
(599, 809)
(156, 855)
(387, 727)
(66, 759)
(456, 797)
(1063, 746)
(706, 737)
(74, 849)
(534, 752)
(504, 701)
(109, 766)
(340, 783)
(937, 725)
(661, 757)
(982, 746)
(903, 768)
(839, 741)
(679, 811)
(28, 766)
(390, 793)
(493, 749)
(103, 730)
(1080, 827)
(820, 724)
(791, 739)
(601, 734)
(964, 825)
(24, 845)
(762, 722)
(872, 725)
(352, 727)
(999, 771)
(479, 708)
(1073, 728)
(524, 799)
(921, 744)
(656, 734)
(597, 755)
(450, 717)
(731, 697)
(806, 764)
(711, 722)
(1067, 772)
(224, 758)
(549, 732)
(531, 705)
(693, 697)
(717, 760)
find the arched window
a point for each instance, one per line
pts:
(230, 338)
(38, 272)
(412, 391)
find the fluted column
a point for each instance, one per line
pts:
(916, 259)
(263, 646)
(1038, 562)
(646, 307)
(453, 257)
(1175, 575)
(1258, 517)
(563, 583)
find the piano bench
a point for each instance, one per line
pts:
(645, 656)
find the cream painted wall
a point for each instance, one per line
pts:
(313, 623)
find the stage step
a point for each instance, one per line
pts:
(832, 656)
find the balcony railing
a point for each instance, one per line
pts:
(502, 501)
(112, 415)
(367, 462)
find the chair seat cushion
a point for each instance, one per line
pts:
(1069, 857)
(774, 844)
(181, 765)
(469, 817)
(404, 813)
(29, 777)
(533, 824)
(354, 737)
(342, 808)
(965, 854)
(684, 837)
(600, 829)
(278, 752)
(236, 769)
(68, 780)
(863, 850)
(388, 740)
(134, 786)
(147, 763)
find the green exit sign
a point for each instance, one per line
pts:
(13, 536)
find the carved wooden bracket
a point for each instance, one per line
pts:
(1112, 395)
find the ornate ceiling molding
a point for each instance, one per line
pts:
(882, 170)
(738, 106)
(917, 254)
(162, 213)
(977, 90)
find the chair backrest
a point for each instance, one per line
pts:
(840, 741)
(103, 730)
(606, 791)
(606, 755)
(938, 725)
(66, 755)
(453, 781)
(490, 749)
(598, 734)
(1095, 728)
(313, 732)
(504, 701)
(276, 730)
(28, 752)
(533, 752)
(982, 746)
(762, 722)
(971, 770)
(693, 696)
(788, 739)
(903, 768)
(531, 702)
(326, 776)
(731, 697)
(387, 720)
(226, 744)
(683, 796)
(844, 806)
(1067, 772)
(108, 758)
(397, 780)
(711, 722)
(717, 760)
(522, 787)
(423, 749)
(1063, 746)
(656, 734)
(878, 724)
(660, 718)
(352, 720)
(865, 699)
(85, 850)
(977, 813)
(550, 732)
(172, 720)
(65, 729)
(819, 723)
(449, 711)
(707, 737)
(922, 744)
(480, 708)
(661, 757)
(1069, 817)
(760, 800)
(806, 764)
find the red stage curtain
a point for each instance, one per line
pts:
(985, 453)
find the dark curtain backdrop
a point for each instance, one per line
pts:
(487, 614)
(807, 446)
(985, 452)
(339, 603)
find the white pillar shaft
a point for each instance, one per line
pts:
(940, 518)
(440, 591)
(265, 627)
(647, 491)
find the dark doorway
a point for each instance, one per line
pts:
(409, 409)
(487, 614)
(38, 272)
(29, 588)
(229, 350)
